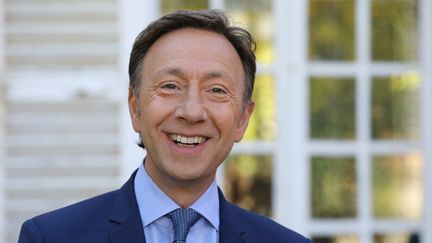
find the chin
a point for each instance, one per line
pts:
(187, 176)
(190, 177)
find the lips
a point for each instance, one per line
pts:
(185, 141)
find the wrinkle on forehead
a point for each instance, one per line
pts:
(211, 74)
(193, 44)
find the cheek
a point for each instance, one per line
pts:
(236, 110)
(225, 117)
(153, 104)
(156, 112)
(147, 97)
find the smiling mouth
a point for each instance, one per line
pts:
(189, 142)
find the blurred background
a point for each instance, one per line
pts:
(339, 146)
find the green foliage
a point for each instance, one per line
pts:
(248, 182)
(331, 30)
(395, 105)
(168, 6)
(333, 188)
(257, 18)
(396, 186)
(394, 30)
(262, 124)
(332, 108)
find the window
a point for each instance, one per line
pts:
(336, 146)
(371, 114)
(339, 145)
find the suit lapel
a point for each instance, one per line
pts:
(126, 214)
(230, 228)
(128, 232)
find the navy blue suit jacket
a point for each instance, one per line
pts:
(114, 218)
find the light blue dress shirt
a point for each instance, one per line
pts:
(154, 204)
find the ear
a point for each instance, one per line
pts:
(134, 111)
(244, 121)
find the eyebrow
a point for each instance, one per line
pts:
(174, 71)
(209, 75)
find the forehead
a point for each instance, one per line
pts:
(181, 37)
(195, 50)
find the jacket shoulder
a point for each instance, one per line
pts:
(262, 229)
(89, 209)
(73, 221)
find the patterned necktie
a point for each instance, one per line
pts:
(183, 219)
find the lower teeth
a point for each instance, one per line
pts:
(185, 145)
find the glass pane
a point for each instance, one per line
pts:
(168, 6)
(248, 182)
(396, 238)
(332, 108)
(336, 239)
(394, 30)
(331, 29)
(262, 124)
(397, 186)
(334, 188)
(395, 112)
(256, 16)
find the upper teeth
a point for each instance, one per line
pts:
(186, 140)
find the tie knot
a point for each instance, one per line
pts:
(183, 219)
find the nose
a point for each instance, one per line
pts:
(191, 108)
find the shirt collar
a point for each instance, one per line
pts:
(208, 205)
(148, 195)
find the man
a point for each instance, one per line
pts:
(191, 81)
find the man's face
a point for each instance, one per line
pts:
(190, 109)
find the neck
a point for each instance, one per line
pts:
(183, 192)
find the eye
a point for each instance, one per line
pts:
(169, 86)
(218, 90)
